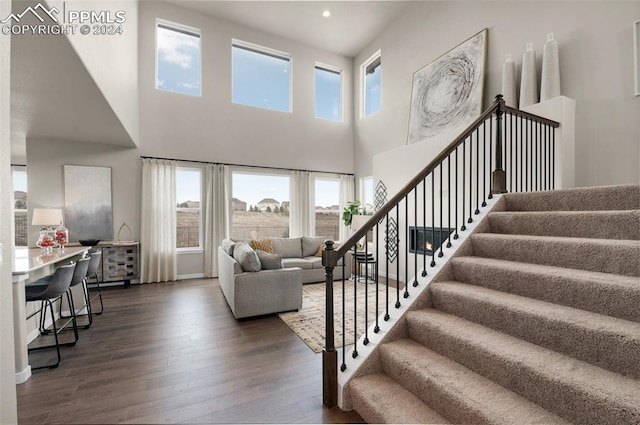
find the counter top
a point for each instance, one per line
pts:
(26, 260)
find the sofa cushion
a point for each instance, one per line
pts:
(296, 262)
(269, 261)
(228, 245)
(311, 245)
(247, 257)
(316, 262)
(287, 247)
(263, 245)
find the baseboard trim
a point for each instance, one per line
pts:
(23, 376)
(191, 276)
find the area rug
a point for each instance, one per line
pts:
(309, 322)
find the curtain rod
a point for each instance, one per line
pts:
(247, 166)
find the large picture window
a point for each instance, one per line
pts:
(371, 72)
(188, 212)
(178, 59)
(327, 207)
(19, 175)
(260, 206)
(261, 77)
(328, 93)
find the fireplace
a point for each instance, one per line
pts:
(426, 240)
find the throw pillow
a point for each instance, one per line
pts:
(288, 248)
(262, 244)
(227, 245)
(247, 257)
(269, 261)
(310, 245)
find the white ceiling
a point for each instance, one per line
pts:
(350, 28)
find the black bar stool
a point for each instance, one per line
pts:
(79, 278)
(47, 290)
(92, 273)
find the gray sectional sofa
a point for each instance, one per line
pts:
(254, 291)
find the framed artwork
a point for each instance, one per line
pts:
(87, 202)
(636, 56)
(447, 94)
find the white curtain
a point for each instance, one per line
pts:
(300, 204)
(158, 230)
(215, 213)
(347, 194)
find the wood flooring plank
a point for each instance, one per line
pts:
(173, 353)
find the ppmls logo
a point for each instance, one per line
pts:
(34, 12)
(85, 22)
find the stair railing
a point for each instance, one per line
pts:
(505, 148)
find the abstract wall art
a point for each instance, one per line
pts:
(87, 202)
(447, 94)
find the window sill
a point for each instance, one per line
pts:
(186, 251)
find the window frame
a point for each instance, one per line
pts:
(313, 199)
(335, 70)
(19, 169)
(181, 28)
(200, 247)
(267, 51)
(376, 57)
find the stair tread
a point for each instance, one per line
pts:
(533, 307)
(606, 278)
(583, 198)
(601, 255)
(631, 243)
(470, 396)
(608, 224)
(552, 367)
(380, 399)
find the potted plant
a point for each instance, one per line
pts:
(352, 208)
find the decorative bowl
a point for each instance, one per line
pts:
(89, 242)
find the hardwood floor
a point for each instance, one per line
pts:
(173, 353)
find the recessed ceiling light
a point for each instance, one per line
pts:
(326, 13)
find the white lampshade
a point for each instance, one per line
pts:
(47, 217)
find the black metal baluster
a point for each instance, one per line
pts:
(366, 290)
(470, 219)
(440, 254)
(386, 315)
(511, 155)
(415, 235)
(343, 367)
(455, 236)
(490, 196)
(354, 354)
(406, 238)
(477, 211)
(424, 223)
(463, 227)
(544, 156)
(449, 200)
(526, 155)
(433, 219)
(484, 165)
(397, 242)
(377, 327)
(519, 143)
(553, 159)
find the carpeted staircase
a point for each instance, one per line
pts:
(537, 321)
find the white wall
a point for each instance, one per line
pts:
(111, 60)
(8, 403)
(45, 161)
(596, 65)
(212, 128)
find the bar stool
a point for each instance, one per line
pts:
(92, 273)
(79, 278)
(47, 290)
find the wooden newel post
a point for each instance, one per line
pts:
(329, 354)
(499, 178)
